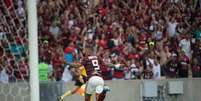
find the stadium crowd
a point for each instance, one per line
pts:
(139, 39)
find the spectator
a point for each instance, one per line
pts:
(2, 33)
(45, 71)
(197, 32)
(127, 71)
(118, 71)
(107, 72)
(172, 25)
(185, 44)
(148, 74)
(69, 53)
(45, 75)
(54, 30)
(58, 64)
(196, 68)
(135, 69)
(157, 69)
(183, 65)
(20, 10)
(172, 66)
(1, 52)
(4, 77)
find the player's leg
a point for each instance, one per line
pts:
(88, 91)
(88, 97)
(101, 96)
(68, 93)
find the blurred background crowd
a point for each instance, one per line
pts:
(138, 39)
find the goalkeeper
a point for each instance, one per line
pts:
(79, 76)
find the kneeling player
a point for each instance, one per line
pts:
(95, 83)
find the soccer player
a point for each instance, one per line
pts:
(95, 83)
(79, 76)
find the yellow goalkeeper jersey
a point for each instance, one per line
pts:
(83, 71)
